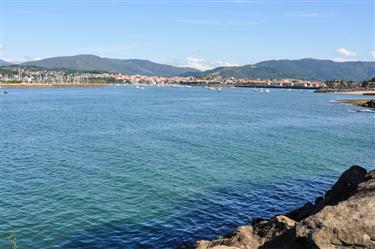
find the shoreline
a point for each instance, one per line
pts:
(332, 221)
(358, 92)
(369, 103)
(317, 90)
(349, 91)
(7, 86)
(279, 87)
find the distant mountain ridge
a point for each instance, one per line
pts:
(304, 69)
(96, 63)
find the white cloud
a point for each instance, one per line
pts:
(5, 59)
(346, 52)
(30, 58)
(339, 59)
(203, 64)
(372, 53)
(20, 60)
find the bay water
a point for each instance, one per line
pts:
(121, 167)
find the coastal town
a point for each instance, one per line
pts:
(31, 76)
(35, 77)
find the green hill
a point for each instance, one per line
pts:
(306, 69)
(96, 63)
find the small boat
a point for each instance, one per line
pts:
(268, 90)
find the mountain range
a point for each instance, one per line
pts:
(96, 63)
(305, 69)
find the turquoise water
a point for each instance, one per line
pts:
(121, 167)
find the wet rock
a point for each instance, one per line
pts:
(265, 231)
(346, 185)
(370, 104)
(248, 237)
(302, 212)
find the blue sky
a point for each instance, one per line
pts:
(203, 34)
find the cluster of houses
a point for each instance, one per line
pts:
(44, 76)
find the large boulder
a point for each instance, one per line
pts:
(242, 238)
(370, 103)
(340, 191)
(249, 237)
(349, 224)
(344, 218)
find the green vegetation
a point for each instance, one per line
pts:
(13, 238)
(11, 82)
(305, 69)
(342, 84)
(90, 63)
(369, 83)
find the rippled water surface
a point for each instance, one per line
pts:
(121, 167)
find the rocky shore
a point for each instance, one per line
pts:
(347, 91)
(370, 103)
(343, 218)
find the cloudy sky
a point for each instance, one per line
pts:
(203, 34)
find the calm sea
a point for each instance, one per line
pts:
(121, 167)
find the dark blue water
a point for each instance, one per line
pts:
(121, 167)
